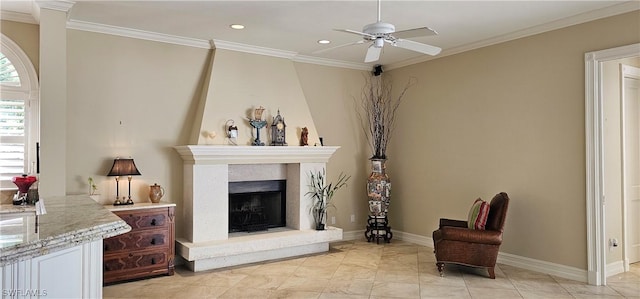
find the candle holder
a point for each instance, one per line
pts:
(258, 124)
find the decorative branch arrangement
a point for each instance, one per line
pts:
(379, 112)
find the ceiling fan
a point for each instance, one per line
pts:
(380, 32)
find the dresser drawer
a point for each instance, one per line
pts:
(144, 239)
(136, 260)
(144, 219)
(147, 250)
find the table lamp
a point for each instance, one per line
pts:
(123, 167)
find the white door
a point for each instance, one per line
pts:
(631, 156)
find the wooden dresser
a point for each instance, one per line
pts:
(147, 250)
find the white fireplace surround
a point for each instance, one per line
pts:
(208, 169)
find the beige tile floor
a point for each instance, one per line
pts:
(357, 269)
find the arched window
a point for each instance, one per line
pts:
(19, 113)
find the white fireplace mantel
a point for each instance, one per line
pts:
(227, 154)
(207, 168)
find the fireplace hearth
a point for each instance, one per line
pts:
(257, 205)
(208, 173)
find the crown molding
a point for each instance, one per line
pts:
(332, 62)
(558, 24)
(227, 45)
(17, 17)
(60, 5)
(209, 44)
(138, 34)
(294, 56)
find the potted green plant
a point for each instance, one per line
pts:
(93, 189)
(321, 193)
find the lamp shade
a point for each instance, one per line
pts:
(123, 167)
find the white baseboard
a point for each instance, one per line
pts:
(554, 269)
(616, 267)
(353, 235)
(503, 258)
(413, 238)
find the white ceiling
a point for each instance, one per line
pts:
(296, 26)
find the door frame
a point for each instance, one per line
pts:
(596, 243)
(626, 71)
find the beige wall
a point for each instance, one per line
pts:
(130, 98)
(27, 36)
(330, 93)
(241, 82)
(508, 117)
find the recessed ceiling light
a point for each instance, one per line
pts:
(237, 26)
(324, 41)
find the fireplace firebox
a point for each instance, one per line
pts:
(257, 205)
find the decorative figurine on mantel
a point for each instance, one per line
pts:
(278, 128)
(208, 136)
(304, 137)
(258, 124)
(232, 132)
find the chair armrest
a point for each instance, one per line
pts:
(451, 222)
(490, 237)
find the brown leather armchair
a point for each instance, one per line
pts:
(455, 243)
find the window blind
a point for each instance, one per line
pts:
(12, 140)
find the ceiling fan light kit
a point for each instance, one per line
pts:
(379, 42)
(379, 29)
(380, 32)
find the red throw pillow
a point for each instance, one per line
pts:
(478, 214)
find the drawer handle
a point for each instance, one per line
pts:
(153, 221)
(153, 241)
(153, 261)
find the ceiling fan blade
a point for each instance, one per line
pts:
(373, 54)
(416, 32)
(337, 47)
(418, 47)
(355, 32)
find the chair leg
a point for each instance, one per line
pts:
(440, 268)
(492, 273)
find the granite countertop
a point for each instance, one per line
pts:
(13, 209)
(70, 221)
(139, 206)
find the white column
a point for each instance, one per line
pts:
(53, 96)
(208, 215)
(302, 202)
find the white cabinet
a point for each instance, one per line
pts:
(74, 272)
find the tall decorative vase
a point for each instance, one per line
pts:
(322, 219)
(379, 193)
(378, 189)
(320, 213)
